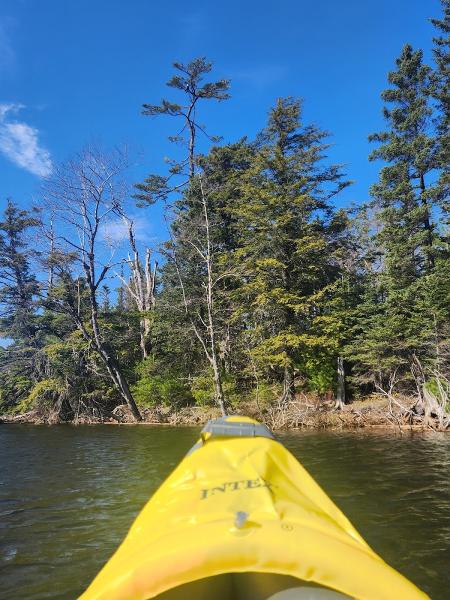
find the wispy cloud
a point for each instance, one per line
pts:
(19, 142)
(116, 231)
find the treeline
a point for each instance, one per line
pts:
(263, 289)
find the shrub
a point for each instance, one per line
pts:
(320, 373)
(43, 395)
(202, 388)
(151, 390)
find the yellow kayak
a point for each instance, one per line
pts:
(240, 518)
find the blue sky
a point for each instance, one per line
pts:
(75, 71)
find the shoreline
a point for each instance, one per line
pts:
(306, 413)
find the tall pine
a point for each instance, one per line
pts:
(18, 285)
(289, 235)
(441, 93)
(395, 321)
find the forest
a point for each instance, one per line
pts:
(267, 296)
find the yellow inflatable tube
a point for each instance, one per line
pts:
(241, 518)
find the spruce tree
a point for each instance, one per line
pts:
(441, 93)
(18, 284)
(288, 238)
(403, 193)
(18, 319)
(394, 322)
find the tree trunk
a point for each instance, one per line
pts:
(141, 286)
(119, 380)
(145, 338)
(218, 390)
(191, 150)
(124, 389)
(111, 364)
(427, 224)
(288, 384)
(340, 395)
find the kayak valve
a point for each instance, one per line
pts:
(240, 519)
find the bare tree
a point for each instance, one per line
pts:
(83, 195)
(141, 287)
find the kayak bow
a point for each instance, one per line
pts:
(241, 518)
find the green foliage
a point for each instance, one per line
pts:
(153, 388)
(320, 373)
(296, 283)
(14, 388)
(202, 388)
(42, 395)
(162, 389)
(267, 393)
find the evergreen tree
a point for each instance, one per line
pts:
(288, 235)
(403, 193)
(189, 81)
(393, 321)
(18, 284)
(18, 291)
(441, 93)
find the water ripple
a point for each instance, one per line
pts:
(68, 496)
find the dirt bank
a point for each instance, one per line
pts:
(307, 412)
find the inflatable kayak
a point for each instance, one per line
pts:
(240, 518)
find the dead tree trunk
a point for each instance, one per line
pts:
(340, 393)
(108, 359)
(141, 287)
(288, 384)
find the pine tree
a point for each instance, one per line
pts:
(441, 93)
(288, 238)
(18, 284)
(191, 252)
(403, 193)
(393, 321)
(189, 81)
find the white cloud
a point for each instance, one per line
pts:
(116, 231)
(19, 142)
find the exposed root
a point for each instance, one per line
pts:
(306, 411)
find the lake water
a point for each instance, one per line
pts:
(69, 494)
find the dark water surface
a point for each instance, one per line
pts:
(69, 494)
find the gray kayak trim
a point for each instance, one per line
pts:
(222, 427)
